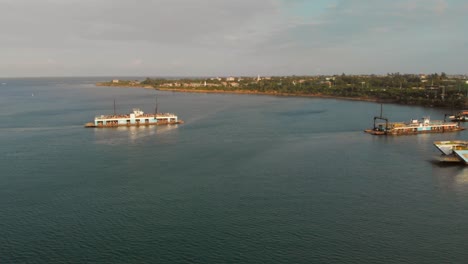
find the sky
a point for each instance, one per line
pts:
(231, 37)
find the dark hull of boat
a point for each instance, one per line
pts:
(390, 133)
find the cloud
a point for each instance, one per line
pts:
(51, 62)
(370, 36)
(163, 21)
(208, 37)
(356, 20)
(440, 6)
(136, 62)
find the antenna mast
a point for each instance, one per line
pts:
(156, 107)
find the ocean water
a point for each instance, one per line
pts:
(247, 179)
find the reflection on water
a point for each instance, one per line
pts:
(125, 135)
(424, 138)
(237, 169)
(37, 129)
(462, 177)
(451, 176)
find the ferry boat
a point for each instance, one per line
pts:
(461, 116)
(136, 118)
(413, 127)
(453, 151)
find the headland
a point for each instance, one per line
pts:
(432, 90)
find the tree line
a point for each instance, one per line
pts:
(435, 90)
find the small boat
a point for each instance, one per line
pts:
(461, 116)
(453, 151)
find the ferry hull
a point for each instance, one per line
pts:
(401, 133)
(375, 132)
(449, 159)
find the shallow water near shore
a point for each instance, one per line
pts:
(247, 178)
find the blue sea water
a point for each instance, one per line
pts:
(246, 179)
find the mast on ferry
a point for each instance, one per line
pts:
(156, 107)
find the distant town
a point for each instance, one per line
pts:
(434, 90)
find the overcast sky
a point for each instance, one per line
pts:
(235, 37)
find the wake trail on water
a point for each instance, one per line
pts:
(205, 115)
(43, 128)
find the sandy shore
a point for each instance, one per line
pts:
(123, 86)
(267, 93)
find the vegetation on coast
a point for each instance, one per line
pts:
(435, 90)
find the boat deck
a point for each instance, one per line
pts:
(92, 125)
(126, 116)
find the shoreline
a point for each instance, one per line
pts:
(268, 93)
(248, 92)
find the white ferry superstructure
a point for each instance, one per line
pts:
(136, 118)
